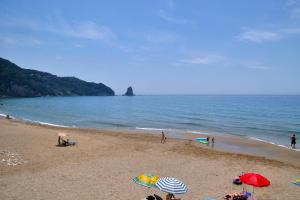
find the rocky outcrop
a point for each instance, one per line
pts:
(18, 82)
(129, 92)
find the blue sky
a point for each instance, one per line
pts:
(159, 46)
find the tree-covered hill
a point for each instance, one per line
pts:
(18, 82)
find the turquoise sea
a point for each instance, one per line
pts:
(269, 118)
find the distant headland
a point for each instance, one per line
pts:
(18, 82)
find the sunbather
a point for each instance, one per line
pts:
(157, 197)
(150, 197)
(235, 196)
(237, 181)
(171, 197)
(70, 143)
(67, 143)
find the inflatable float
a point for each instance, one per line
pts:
(202, 140)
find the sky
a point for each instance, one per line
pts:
(159, 46)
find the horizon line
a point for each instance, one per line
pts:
(214, 94)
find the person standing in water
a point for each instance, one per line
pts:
(163, 137)
(293, 141)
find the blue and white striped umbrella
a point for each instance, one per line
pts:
(171, 185)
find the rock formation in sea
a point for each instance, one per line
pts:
(129, 92)
(18, 82)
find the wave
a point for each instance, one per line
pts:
(197, 132)
(190, 124)
(261, 128)
(150, 129)
(44, 123)
(2, 115)
(195, 118)
(112, 124)
(5, 115)
(34, 121)
(273, 143)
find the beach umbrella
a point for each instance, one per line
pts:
(148, 180)
(171, 185)
(255, 180)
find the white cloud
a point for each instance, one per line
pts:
(171, 4)
(85, 30)
(161, 37)
(58, 57)
(260, 67)
(78, 45)
(254, 64)
(169, 18)
(291, 30)
(295, 13)
(168, 14)
(221, 61)
(293, 7)
(58, 25)
(19, 40)
(263, 35)
(258, 36)
(203, 60)
(292, 2)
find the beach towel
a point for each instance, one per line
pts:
(209, 198)
(297, 182)
(248, 194)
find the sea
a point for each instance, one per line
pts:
(268, 118)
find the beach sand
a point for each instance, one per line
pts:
(103, 164)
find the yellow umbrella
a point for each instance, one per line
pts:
(148, 180)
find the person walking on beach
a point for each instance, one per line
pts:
(207, 139)
(293, 141)
(163, 137)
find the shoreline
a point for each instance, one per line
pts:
(154, 130)
(104, 162)
(237, 145)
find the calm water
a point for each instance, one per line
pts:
(270, 118)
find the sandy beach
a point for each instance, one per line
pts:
(104, 163)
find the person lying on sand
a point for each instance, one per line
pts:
(235, 196)
(67, 143)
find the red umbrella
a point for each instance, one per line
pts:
(256, 180)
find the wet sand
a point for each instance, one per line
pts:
(103, 164)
